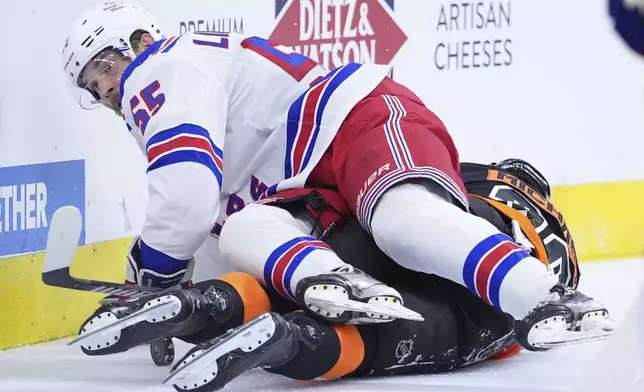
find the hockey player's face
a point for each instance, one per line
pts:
(102, 78)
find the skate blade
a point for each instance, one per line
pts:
(374, 310)
(575, 338)
(201, 367)
(115, 299)
(157, 310)
(601, 330)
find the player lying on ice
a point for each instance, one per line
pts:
(287, 122)
(458, 328)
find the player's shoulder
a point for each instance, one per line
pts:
(214, 36)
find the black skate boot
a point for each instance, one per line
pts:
(119, 325)
(349, 296)
(565, 316)
(267, 341)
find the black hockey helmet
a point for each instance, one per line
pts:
(525, 172)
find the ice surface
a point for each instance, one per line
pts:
(55, 367)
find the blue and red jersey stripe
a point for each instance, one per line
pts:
(305, 116)
(185, 143)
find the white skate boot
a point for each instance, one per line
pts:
(349, 296)
(565, 316)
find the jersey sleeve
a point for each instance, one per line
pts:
(181, 113)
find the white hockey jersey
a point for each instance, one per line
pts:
(225, 120)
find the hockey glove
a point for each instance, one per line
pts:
(149, 267)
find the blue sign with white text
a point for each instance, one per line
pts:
(29, 196)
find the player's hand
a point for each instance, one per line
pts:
(139, 275)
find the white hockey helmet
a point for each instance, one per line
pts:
(106, 25)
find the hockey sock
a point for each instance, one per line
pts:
(252, 295)
(415, 226)
(274, 247)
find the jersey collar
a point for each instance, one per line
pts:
(138, 61)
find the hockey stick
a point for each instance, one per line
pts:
(62, 240)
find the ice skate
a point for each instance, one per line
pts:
(349, 296)
(120, 325)
(266, 341)
(565, 316)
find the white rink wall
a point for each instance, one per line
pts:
(561, 89)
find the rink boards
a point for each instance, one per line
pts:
(32, 312)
